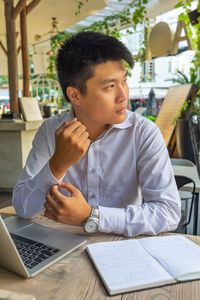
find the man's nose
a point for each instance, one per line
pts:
(121, 94)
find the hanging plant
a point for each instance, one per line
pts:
(184, 16)
(109, 25)
(56, 41)
(194, 77)
(80, 5)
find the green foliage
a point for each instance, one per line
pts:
(152, 118)
(195, 69)
(183, 110)
(56, 42)
(109, 25)
(194, 76)
(195, 37)
(181, 78)
(80, 5)
(3, 80)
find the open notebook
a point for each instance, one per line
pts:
(136, 264)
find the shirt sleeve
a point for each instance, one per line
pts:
(161, 208)
(30, 190)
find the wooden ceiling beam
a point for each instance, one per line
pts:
(3, 48)
(18, 49)
(155, 9)
(160, 7)
(32, 5)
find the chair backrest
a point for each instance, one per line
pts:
(180, 182)
(183, 180)
(182, 162)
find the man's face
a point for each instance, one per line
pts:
(106, 95)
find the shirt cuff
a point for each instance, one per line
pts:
(112, 219)
(48, 178)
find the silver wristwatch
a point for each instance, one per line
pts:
(92, 223)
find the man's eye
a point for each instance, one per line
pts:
(111, 86)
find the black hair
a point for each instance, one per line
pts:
(81, 52)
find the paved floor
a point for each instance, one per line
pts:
(5, 199)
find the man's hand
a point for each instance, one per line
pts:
(71, 144)
(73, 210)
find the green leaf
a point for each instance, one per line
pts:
(183, 76)
(179, 4)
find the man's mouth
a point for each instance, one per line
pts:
(121, 110)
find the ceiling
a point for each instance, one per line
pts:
(153, 8)
(40, 18)
(113, 6)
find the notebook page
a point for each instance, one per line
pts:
(125, 266)
(177, 254)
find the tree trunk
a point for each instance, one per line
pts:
(12, 58)
(24, 47)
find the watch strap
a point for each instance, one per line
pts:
(94, 216)
(94, 213)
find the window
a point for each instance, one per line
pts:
(148, 71)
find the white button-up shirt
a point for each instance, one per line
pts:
(126, 172)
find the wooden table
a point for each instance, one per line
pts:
(190, 172)
(75, 278)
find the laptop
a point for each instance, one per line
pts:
(27, 248)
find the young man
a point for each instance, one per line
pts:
(99, 165)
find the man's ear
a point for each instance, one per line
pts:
(73, 94)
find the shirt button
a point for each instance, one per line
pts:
(93, 171)
(93, 196)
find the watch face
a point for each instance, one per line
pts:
(91, 226)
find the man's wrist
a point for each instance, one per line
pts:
(88, 213)
(56, 169)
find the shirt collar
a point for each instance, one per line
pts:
(127, 123)
(69, 115)
(65, 116)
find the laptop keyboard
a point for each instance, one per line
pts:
(31, 252)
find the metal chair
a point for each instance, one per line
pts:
(182, 162)
(187, 213)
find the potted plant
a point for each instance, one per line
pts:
(183, 139)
